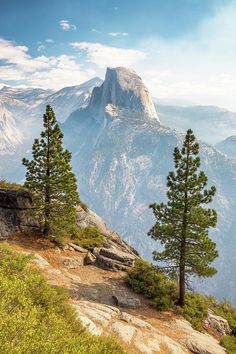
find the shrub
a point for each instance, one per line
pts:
(149, 281)
(195, 309)
(229, 342)
(9, 185)
(36, 318)
(89, 237)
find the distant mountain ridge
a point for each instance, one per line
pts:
(228, 146)
(210, 123)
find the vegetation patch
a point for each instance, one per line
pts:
(9, 185)
(36, 318)
(147, 280)
(229, 342)
(89, 237)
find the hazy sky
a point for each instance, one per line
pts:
(183, 49)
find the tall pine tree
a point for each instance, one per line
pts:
(183, 223)
(50, 180)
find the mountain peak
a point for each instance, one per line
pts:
(123, 88)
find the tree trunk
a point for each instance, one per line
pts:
(46, 231)
(181, 285)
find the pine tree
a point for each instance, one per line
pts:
(183, 223)
(50, 180)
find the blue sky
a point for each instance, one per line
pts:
(183, 49)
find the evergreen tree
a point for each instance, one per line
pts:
(183, 223)
(50, 180)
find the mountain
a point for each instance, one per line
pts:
(210, 123)
(10, 136)
(69, 99)
(21, 111)
(26, 106)
(228, 146)
(123, 88)
(122, 155)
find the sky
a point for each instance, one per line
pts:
(184, 50)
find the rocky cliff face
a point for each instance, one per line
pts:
(14, 213)
(123, 88)
(113, 254)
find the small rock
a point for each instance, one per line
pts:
(129, 302)
(40, 261)
(70, 263)
(89, 258)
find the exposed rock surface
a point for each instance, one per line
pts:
(115, 253)
(14, 216)
(123, 88)
(129, 302)
(89, 259)
(218, 323)
(141, 336)
(196, 342)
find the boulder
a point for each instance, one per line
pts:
(111, 238)
(128, 302)
(14, 212)
(89, 258)
(218, 323)
(113, 259)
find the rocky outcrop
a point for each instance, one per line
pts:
(14, 212)
(140, 336)
(218, 323)
(114, 254)
(123, 88)
(129, 302)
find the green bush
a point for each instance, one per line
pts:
(195, 309)
(147, 280)
(89, 237)
(229, 342)
(8, 185)
(36, 318)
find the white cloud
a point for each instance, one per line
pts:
(49, 40)
(198, 67)
(67, 25)
(95, 30)
(118, 34)
(41, 48)
(104, 56)
(47, 72)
